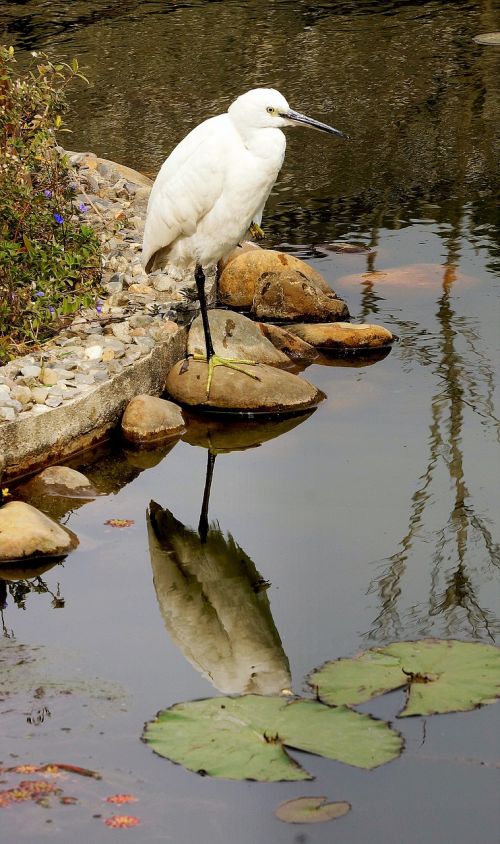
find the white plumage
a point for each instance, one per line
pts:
(213, 187)
(215, 183)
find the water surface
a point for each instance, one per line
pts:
(373, 519)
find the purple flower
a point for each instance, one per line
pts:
(48, 193)
(39, 293)
(58, 218)
(99, 309)
(51, 309)
(83, 208)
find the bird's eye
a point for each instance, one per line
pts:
(270, 110)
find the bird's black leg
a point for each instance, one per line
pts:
(199, 276)
(212, 359)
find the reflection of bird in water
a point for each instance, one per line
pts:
(212, 598)
(213, 187)
(215, 607)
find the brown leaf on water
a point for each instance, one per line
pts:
(120, 523)
(121, 821)
(121, 798)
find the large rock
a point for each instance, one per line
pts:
(344, 337)
(290, 295)
(25, 532)
(292, 346)
(246, 246)
(234, 336)
(276, 391)
(149, 419)
(243, 273)
(59, 481)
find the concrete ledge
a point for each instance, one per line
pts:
(31, 443)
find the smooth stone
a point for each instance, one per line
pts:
(121, 331)
(148, 419)
(26, 532)
(276, 391)
(242, 275)
(31, 371)
(145, 343)
(344, 336)
(94, 352)
(39, 394)
(245, 246)
(49, 377)
(54, 401)
(59, 481)
(21, 393)
(234, 336)
(162, 330)
(289, 295)
(7, 414)
(288, 343)
(163, 284)
(140, 288)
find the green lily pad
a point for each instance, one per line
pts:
(245, 737)
(311, 810)
(440, 676)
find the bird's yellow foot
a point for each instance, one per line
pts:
(232, 363)
(256, 231)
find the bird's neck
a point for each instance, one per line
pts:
(264, 143)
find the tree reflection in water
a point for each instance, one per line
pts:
(462, 547)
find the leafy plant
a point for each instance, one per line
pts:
(49, 258)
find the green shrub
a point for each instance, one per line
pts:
(49, 258)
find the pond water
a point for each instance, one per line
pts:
(371, 520)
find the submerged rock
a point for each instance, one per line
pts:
(288, 343)
(149, 419)
(344, 337)
(62, 480)
(26, 532)
(275, 391)
(243, 275)
(234, 336)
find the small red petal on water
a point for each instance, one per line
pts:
(121, 821)
(119, 523)
(121, 798)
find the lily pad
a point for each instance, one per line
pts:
(311, 810)
(245, 737)
(440, 676)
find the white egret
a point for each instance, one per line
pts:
(212, 189)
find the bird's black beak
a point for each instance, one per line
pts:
(297, 117)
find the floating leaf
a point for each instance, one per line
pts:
(440, 676)
(122, 821)
(119, 523)
(311, 810)
(245, 737)
(121, 798)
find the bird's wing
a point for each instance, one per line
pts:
(188, 185)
